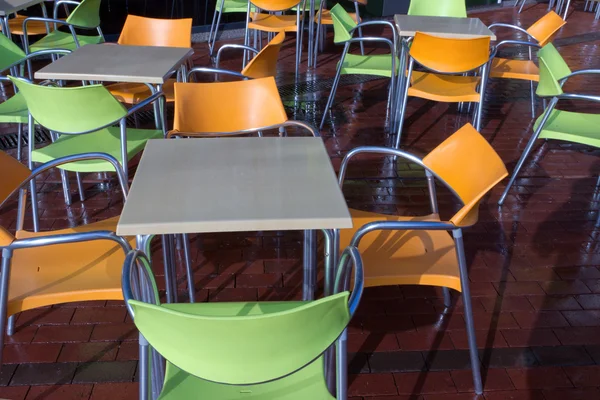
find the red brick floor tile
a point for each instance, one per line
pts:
(558, 303)
(115, 391)
(93, 315)
(493, 379)
(428, 340)
(484, 339)
(370, 342)
(589, 301)
(64, 392)
(258, 280)
(31, 353)
(424, 382)
(583, 376)
(578, 336)
(114, 332)
(22, 334)
(453, 396)
(518, 288)
(565, 287)
(128, 351)
(371, 385)
(583, 318)
(540, 319)
(515, 395)
(88, 352)
(45, 316)
(63, 333)
(512, 303)
(572, 394)
(14, 392)
(570, 273)
(534, 274)
(503, 320)
(539, 378)
(233, 294)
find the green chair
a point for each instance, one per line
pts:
(85, 119)
(85, 16)
(384, 65)
(224, 7)
(438, 8)
(569, 126)
(242, 350)
(14, 110)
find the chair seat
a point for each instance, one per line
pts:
(14, 110)
(308, 383)
(571, 127)
(107, 140)
(65, 273)
(233, 6)
(133, 93)
(273, 23)
(327, 19)
(33, 27)
(514, 69)
(444, 88)
(63, 40)
(404, 257)
(379, 65)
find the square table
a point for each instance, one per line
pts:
(236, 184)
(8, 7)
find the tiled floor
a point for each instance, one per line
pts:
(533, 263)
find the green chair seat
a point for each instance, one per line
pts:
(63, 40)
(572, 127)
(106, 140)
(14, 110)
(234, 6)
(379, 65)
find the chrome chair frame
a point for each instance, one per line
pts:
(320, 36)
(559, 7)
(138, 283)
(483, 71)
(426, 225)
(551, 105)
(533, 43)
(368, 39)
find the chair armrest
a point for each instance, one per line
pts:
(517, 42)
(44, 19)
(215, 71)
(400, 226)
(133, 258)
(49, 240)
(342, 277)
(580, 72)
(574, 96)
(37, 54)
(59, 2)
(147, 101)
(375, 40)
(233, 46)
(377, 22)
(510, 26)
(303, 125)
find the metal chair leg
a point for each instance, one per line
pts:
(447, 297)
(342, 367)
(64, 177)
(466, 293)
(404, 101)
(4, 279)
(189, 268)
(336, 81)
(532, 93)
(80, 186)
(166, 249)
(10, 327)
(19, 141)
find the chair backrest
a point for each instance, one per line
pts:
(450, 55)
(10, 53)
(86, 14)
(552, 69)
(262, 342)
(543, 29)
(14, 173)
(343, 23)
(265, 63)
(470, 166)
(224, 107)
(142, 31)
(438, 8)
(275, 5)
(71, 109)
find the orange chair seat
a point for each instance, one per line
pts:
(65, 273)
(444, 88)
(404, 257)
(273, 23)
(33, 27)
(515, 69)
(327, 19)
(133, 93)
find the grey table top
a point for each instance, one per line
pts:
(116, 63)
(12, 6)
(461, 28)
(233, 185)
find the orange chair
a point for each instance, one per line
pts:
(264, 62)
(230, 108)
(400, 250)
(538, 34)
(142, 31)
(269, 20)
(41, 269)
(450, 61)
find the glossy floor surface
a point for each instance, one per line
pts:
(533, 263)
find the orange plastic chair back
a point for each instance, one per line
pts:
(224, 107)
(275, 5)
(13, 175)
(471, 167)
(142, 31)
(543, 29)
(450, 55)
(265, 63)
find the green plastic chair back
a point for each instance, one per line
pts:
(86, 14)
(552, 68)
(342, 24)
(264, 342)
(10, 53)
(438, 8)
(71, 110)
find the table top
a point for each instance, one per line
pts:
(12, 6)
(233, 185)
(449, 27)
(116, 63)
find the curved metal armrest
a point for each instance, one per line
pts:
(233, 46)
(517, 42)
(378, 22)
(48, 20)
(580, 72)
(375, 40)
(49, 240)
(399, 226)
(38, 54)
(304, 125)
(147, 101)
(133, 258)
(509, 26)
(342, 276)
(215, 71)
(59, 2)
(74, 158)
(574, 96)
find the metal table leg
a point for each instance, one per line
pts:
(311, 27)
(5, 28)
(310, 265)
